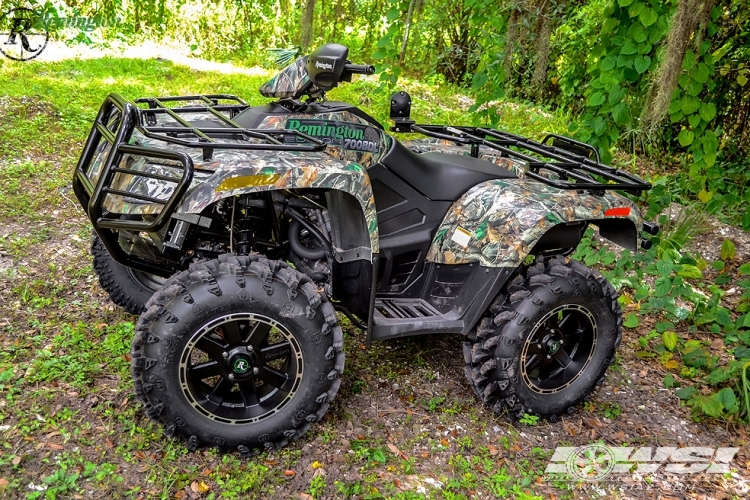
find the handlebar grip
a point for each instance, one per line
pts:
(361, 69)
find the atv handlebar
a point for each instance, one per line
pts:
(360, 69)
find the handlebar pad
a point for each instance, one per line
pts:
(361, 69)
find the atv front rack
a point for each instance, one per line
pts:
(576, 165)
(112, 139)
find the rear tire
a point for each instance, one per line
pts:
(127, 288)
(546, 341)
(238, 353)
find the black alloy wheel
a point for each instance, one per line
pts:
(558, 349)
(241, 368)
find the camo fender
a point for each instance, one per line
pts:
(256, 173)
(497, 223)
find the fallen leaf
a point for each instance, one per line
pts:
(360, 437)
(397, 483)
(671, 365)
(516, 447)
(16, 460)
(108, 443)
(393, 449)
(289, 473)
(306, 496)
(3, 482)
(140, 455)
(207, 472)
(493, 450)
(592, 422)
(180, 494)
(569, 429)
(203, 487)
(52, 434)
(615, 390)
(539, 480)
(424, 455)
(55, 446)
(270, 462)
(445, 442)
(316, 465)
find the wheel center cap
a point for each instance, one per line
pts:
(241, 365)
(553, 346)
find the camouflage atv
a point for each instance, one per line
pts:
(239, 232)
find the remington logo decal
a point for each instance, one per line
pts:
(341, 134)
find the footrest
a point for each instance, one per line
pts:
(403, 317)
(404, 308)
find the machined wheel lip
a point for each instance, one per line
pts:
(551, 342)
(187, 386)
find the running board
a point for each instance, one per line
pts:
(405, 317)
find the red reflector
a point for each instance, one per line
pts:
(617, 212)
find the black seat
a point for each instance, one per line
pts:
(441, 176)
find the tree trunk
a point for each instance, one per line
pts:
(511, 36)
(683, 27)
(307, 25)
(542, 49)
(406, 32)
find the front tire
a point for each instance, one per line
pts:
(127, 288)
(546, 341)
(238, 353)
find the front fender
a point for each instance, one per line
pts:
(274, 172)
(497, 223)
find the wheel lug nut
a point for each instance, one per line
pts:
(256, 370)
(225, 355)
(230, 376)
(539, 346)
(249, 348)
(549, 357)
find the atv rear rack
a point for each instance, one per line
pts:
(118, 119)
(575, 163)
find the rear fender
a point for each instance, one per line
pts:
(498, 223)
(277, 173)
